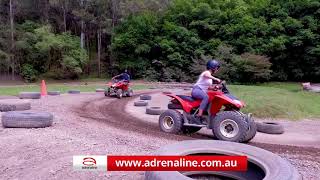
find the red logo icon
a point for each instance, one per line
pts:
(89, 161)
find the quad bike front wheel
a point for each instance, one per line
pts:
(107, 92)
(252, 129)
(130, 92)
(119, 93)
(230, 126)
(171, 121)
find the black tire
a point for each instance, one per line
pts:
(145, 97)
(140, 103)
(119, 93)
(190, 129)
(252, 131)
(17, 119)
(174, 106)
(74, 92)
(228, 118)
(270, 127)
(7, 107)
(100, 90)
(177, 122)
(107, 92)
(154, 110)
(14, 105)
(29, 95)
(262, 164)
(130, 92)
(54, 93)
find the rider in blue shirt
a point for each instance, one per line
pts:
(122, 77)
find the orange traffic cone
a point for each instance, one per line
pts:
(43, 88)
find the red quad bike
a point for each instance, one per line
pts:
(223, 116)
(119, 89)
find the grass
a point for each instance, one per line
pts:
(63, 88)
(278, 100)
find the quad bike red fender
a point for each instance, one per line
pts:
(119, 85)
(186, 106)
(223, 100)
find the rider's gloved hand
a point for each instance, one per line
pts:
(218, 81)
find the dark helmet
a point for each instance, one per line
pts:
(213, 64)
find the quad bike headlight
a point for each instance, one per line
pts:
(239, 103)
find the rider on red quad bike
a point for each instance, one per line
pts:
(204, 83)
(120, 86)
(187, 114)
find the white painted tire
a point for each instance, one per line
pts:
(140, 103)
(29, 95)
(17, 119)
(74, 92)
(154, 110)
(54, 93)
(100, 90)
(145, 97)
(270, 127)
(14, 105)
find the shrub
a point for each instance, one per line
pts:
(28, 73)
(151, 75)
(253, 68)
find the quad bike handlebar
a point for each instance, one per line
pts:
(221, 86)
(118, 80)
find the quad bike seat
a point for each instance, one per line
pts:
(187, 98)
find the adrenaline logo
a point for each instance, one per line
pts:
(89, 163)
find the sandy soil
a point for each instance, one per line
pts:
(92, 124)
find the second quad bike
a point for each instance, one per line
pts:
(119, 89)
(223, 116)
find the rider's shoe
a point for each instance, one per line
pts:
(204, 121)
(197, 120)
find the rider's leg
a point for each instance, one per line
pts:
(204, 102)
(200, 94)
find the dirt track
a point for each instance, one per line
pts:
(93, 124)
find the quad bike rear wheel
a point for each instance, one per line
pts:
(171, 121)
(230, 126)
(119, 93)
